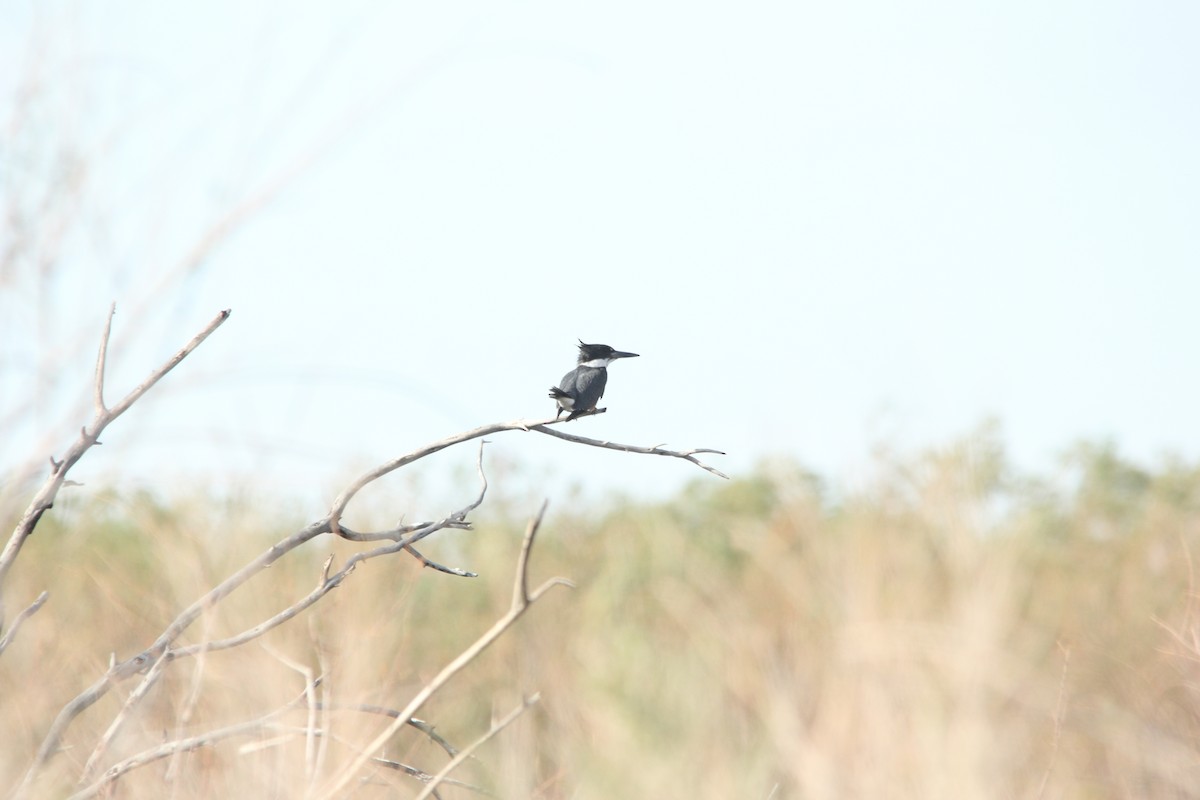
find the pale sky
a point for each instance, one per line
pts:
(823, 225)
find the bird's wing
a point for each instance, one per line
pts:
(568, 382)
(589, 387)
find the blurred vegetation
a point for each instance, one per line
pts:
(948, 628)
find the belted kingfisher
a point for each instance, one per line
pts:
(581, 388)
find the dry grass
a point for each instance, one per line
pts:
(948, 631)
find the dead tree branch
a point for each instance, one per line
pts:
(131, 702)
(184, 745)
(43, 500)
(521, 601)
(541, 426)
(425, 777)
(686, 455)
(453, 764)
(24, 614)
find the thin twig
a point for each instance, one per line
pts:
(310, 728)
(453, 763)
(24, 614)
(184, 716)
(322, 704)
(462, 573)
(395, 534)
(460, 519)
(102, 361)
(420, 724)
(407, 769)
(323, 587)
(522, 599)
(686, 455)
(426, 778)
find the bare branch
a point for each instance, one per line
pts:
(171, 363)
(183, 716)
(425, 728)
(541, 426)
(397, 533)
(184, 745)
(324, 586)
(135, 697)
(522, 599)
(457, 520)
(23, 615)
(102, 361)
(428, 779)
(219, 592)
(142, 661)
(343, 499)
(420, 724)
(462, 573)
(321, 704)
(460, 516)
(327, 583)
(310, 728)
(407, 769)
(498, 726)
(687, 455)
(44, 499)
(69, 712)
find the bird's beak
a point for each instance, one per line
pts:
(619, 354)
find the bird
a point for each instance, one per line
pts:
(581, 389)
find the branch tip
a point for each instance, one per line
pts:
(521, 596)
(24, 614)
(101, 362)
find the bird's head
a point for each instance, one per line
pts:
(600, 355)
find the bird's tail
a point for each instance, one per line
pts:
(556, 392)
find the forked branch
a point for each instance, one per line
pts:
(44, 499)
(521, 601)
(453, 764)
(658, 450)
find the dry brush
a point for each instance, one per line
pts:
(107, 764)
